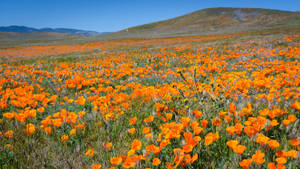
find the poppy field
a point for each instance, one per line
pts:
(214, 101)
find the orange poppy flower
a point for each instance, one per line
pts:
(286, 122)
(238, 128)
(64, 138)
(198, 130)
(132, 120)
(271, 165)
(131, 131)
(231, 130)
(280, 166)
(8, 134)
(295, 142)
(108, 145)
(185, 121)
(146, 130)
(187, 148)
(239, 149)
(153, 149)
(80, 100)
(149, 119)
(292, 154)
(169, 116)
(128, 164)
(245, 164)
(292, 118)
(280, 160)
(232, 108)
(30, 129)
(73, 132)
(156, 161)
(262, 139)
(227, 118)
(210, 138)
(197, 113)
(274, 123)
(90, 153)
(194, 158)
(273, 144)
(41, 109)
(130, 152)
(96, 166)
(116, 160)
(48, 130)
(159, 107)
(204, 123)
(9, 115)
(258, 157)
(232, 143)
(136, 144)
(216, 121)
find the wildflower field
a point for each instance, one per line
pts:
(215, 101)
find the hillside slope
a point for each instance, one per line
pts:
(212, 21)
(13, 38)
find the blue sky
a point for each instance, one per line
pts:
(114, 15)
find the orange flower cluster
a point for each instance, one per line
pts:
(184, 104)
(234, 145)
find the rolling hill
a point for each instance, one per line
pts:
(203, 22)
(212, 21)
(16, 38)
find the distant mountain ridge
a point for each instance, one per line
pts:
(25, 29)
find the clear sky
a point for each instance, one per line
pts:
(114, 15)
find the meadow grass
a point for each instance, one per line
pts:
(224, 101)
